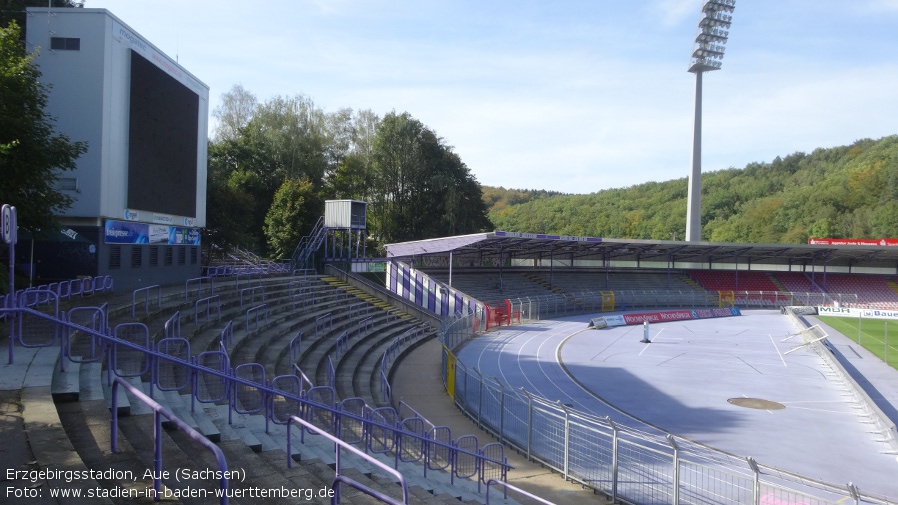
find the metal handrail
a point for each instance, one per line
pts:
(158, 412)
(153, 357)
(339, 478)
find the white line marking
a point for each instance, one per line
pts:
(651, 339)
(778, 351)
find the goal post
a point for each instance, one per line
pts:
(726, 298)
(607, 301)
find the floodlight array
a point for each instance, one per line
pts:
(712, 34)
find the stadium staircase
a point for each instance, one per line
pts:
(305, 250)
(892, 284)
(776, 282)
(558, 291)
(66, 414)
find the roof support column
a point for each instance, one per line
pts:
(551, 266)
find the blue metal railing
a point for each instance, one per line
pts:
(158, 413)
(199, 282)
(146, 294)
(213, 380)
(339, 478)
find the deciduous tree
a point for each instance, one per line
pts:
(34, 154)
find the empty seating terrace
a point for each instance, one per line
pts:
(313, 337)
(641, 288)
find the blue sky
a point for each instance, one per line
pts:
(573, 96)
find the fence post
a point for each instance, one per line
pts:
(614, 458)
(479, 400)
(756, 486)
(675, 478)
(529, 422)
(501, 410)
(567, 438)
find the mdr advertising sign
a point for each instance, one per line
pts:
(854, 312)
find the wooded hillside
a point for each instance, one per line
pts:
(846, 192)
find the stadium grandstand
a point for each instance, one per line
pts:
(262, 367)
(140, 373)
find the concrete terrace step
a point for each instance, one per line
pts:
(320, 449)
(47, 441)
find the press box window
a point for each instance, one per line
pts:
(65, 44)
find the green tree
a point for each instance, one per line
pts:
(293, 213)
(422, 188)
(237, 108)
(229, 207)
(34, 154)
(845, 191)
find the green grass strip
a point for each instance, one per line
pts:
(879, 336)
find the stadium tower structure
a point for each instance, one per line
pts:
(707, 51)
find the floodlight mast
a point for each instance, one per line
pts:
(707, 53)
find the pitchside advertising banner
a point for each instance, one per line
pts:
(851, 312)
(879, 242)
(129, 232)
(662, 316)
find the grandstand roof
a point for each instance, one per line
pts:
(501, 245)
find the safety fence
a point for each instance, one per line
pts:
(128, 352)
(626, 463)
(54, 292)
(515, 309)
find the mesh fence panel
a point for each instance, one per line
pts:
(249, 399)
(380, 440)
(84, 346)
(466, 464)
(591, 455)
(491, 408)
(440, 454)
(547, 443)
(322, 418)
(472, 392)
(352, 430)
(283, 408)
(493, 452)
(702, 484)
(771, 495)
(412, 447)
(129, 362)
(212, 387)
(514, 421)
(173, 374)
(33, 330)
(645, 475)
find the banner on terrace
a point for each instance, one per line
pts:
(663, 316)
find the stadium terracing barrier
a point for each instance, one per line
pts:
(209, 378)
(625, 463)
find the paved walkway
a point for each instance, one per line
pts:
(418, 382)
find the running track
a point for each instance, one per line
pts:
(681, 383)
